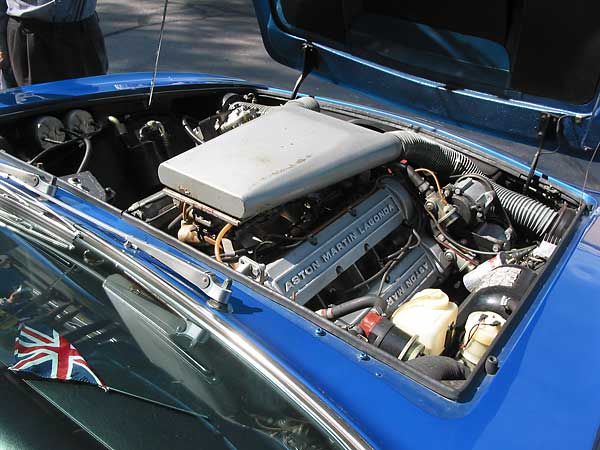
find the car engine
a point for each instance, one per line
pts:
(356, 225)
(397, 238)
(298, 213)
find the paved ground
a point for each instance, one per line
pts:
(214, 36)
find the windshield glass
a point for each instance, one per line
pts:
(154, 362)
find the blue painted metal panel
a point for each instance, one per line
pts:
(61, 90)
(545, 394)
(515, 117)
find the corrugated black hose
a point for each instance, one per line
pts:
(526, 212)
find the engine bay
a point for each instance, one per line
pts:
(401, 240)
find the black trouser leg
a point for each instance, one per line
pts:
(16, 38)
(40, 52)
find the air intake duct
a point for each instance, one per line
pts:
(527, 213)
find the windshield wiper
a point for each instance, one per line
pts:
(33, 232)
(22, 203)
(157, 403)
(28, 177)
(29, 217)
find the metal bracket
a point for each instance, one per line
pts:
(28, 178)
(204, 280)
(547, 126)
(310, 62)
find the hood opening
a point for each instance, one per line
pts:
(506, 48)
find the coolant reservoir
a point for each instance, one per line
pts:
(428, 314)
(481, 329)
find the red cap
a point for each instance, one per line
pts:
(369, 321)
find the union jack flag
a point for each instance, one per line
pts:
(47, 354)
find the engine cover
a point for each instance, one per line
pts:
(276, 158)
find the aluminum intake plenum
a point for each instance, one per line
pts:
(281, 156)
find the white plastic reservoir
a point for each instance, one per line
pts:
(428, 314)
(480, 331)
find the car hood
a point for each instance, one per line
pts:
(503, 68)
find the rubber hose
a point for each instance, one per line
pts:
(86, 155)
(440, 367)
(218, 240)
(337, 311)
(188, 129)
(44, 152)
(176, 221)
(500, 299)
(524, 211)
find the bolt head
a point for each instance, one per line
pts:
(204, 282)
(319, 332)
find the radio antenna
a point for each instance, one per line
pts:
(160, 39)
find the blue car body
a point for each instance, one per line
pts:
(545, 394)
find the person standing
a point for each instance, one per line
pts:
(50, 40)
(7, 80)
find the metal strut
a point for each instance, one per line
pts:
(546, 120)
(310, 62)
(158, 48)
